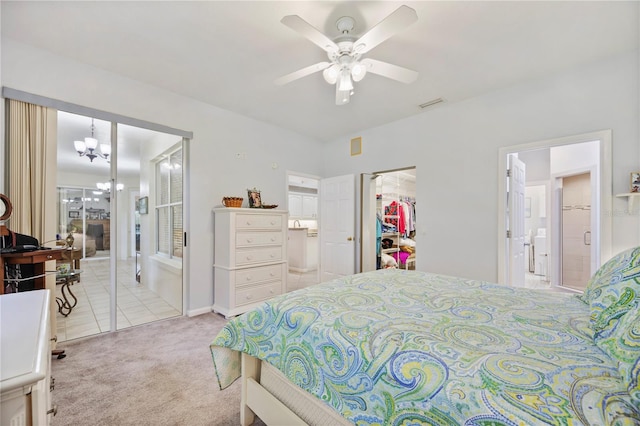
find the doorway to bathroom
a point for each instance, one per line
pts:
(551, 261)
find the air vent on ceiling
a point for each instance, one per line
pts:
(431, 102)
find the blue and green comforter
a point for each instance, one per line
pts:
(396, 347)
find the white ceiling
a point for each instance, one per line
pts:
(229, 53)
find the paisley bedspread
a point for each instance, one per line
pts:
(396, 347)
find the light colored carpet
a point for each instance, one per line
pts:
(155, 374)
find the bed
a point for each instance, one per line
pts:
(398, 347)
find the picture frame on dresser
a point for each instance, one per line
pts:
(254, 198)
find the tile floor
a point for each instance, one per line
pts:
(538, 282)
(136, 304)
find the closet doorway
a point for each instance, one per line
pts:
(389, 220)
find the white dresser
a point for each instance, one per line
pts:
(250, 258)
(25, 359)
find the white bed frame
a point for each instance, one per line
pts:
(267, 393)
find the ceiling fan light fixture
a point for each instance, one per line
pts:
(345, 84)
(331, 74)
(358, 71)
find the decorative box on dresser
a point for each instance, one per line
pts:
(25, 359)
(250, 258)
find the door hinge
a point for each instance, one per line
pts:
(508, 234)
(185, 239)
(508, 172)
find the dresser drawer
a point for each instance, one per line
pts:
(258, 255)
(258, 293)
(258, 238)
(262, 273)
(248, 221)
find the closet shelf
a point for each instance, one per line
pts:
(631, 198)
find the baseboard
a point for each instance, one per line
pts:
(200, 311)
(302, 270)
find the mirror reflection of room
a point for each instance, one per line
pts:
(84, 213)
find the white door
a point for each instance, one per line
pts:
(515, 226)
(337, 227)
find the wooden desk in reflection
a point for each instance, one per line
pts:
(36, 258)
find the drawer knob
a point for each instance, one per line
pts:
(248, 297)
(273, 238)
(248, 222)
(248, 278)
(49, 256)
(271, 291)
(249, 240)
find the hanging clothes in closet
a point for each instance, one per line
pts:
(402, 216)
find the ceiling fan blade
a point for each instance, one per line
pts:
(394, 72)
(301, 73)
(401, 18)
(298, 24)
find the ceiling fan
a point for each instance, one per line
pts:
(346, 64)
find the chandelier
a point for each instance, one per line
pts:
(88, 147)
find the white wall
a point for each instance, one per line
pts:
(455, 150)
(218, 135)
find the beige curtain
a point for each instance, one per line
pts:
(31, 173)
(30, 180)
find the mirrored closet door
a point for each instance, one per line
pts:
(113, 224)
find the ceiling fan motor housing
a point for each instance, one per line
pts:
(345, 24)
